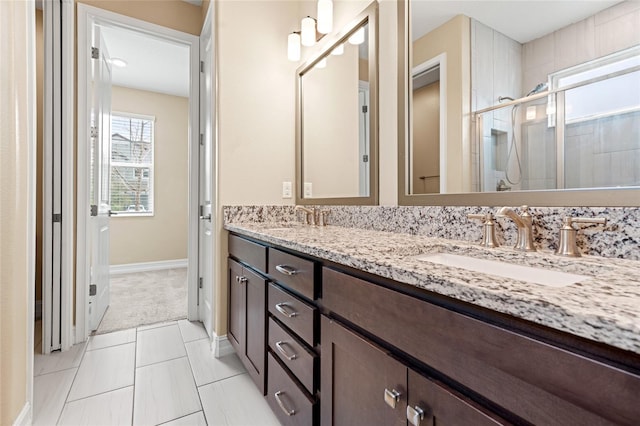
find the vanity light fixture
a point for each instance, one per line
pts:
(308, 32)
(325, 16)
(338, 50)
(357, 37)
(293, 46)
(120, 63)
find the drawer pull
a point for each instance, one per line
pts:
(284, 352)
(241, 280)
(415, 415)
(391, 397)
(287, 270)
(281, 307)
(281, 404)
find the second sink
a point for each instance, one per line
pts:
(506, 270)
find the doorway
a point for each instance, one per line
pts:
(119, 173)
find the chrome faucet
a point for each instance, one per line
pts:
(567, 244)
(524, 222)
(310, 214)
(488, 230)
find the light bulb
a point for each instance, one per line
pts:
(293, 47)
(357, 37)
(308, 31)
(338, 50)
(322, 63)
(325, 16)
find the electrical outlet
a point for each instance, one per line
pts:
(286, 189)
(308, 190)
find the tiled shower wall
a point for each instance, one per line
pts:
(619, 238)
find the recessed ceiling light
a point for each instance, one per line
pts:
(120, 63)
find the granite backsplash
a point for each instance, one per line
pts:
(620, 238)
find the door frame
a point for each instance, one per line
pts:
(87, 15)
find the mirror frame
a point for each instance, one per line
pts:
(370, 16)
(610, 197)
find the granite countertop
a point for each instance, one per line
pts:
(604, 308)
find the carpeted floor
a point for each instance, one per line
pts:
(145, 298)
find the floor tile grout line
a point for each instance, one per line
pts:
(193, 376)
(98, 394)
(109, 346)
(135, 371)
(75, 376)
(53, 372)
(164, 360)
(222, 379)
(181, 417)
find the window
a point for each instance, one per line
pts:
(132, 164)
(611, 96)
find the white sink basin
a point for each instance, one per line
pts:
(506, 270)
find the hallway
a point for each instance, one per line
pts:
(159, 374)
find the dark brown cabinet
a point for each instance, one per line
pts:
(247, 319)
(363, 385)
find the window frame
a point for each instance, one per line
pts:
(151, 166)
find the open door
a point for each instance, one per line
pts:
(206, 228)
(100, 175)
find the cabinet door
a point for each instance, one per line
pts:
(237, 307)
(359, 380)
(255, 341)
(433, 405)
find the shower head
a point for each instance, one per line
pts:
(539, 88)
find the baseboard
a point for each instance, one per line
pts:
(220, 346)
(128, 268)
(25, 416)
(38, 309)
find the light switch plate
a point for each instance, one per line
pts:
(308, 189)
(286, 189)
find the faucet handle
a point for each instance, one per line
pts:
(488, 229)
(323, 217)
(567, 243)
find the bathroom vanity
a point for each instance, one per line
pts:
(356, 329)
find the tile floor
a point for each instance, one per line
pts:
(159, 374)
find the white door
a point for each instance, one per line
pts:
(100, 173)
(206, 228)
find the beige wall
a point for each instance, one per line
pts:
(453, 38)
(175, 14)
(331, 131)
(17, 207)
(426, 139)
(162, 236)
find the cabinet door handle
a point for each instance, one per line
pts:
(391, 397)
(287, 270)
(281, 307)
(415, 415)
(281, 404)
(284, 352)
(241, 280)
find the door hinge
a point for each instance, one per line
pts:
(365, 109)
(57, 217)
(201, 66)
(201, 139)
(200, 282)
(94, 210)
(95, 53)
(365, 158)
(94, 132)
(93, 290)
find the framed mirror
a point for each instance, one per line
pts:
(337, 118)
(504, 103)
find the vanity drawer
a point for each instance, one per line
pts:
(293, 313)
(249, 252)
(516, 372)
(287, 400)
(293, 272)
(293, 355)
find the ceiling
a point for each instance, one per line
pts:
(154, 64)
(521, 20)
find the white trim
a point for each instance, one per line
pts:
(87, 15)
(128, 268)
(440, 60)
(26, 416)
(30, 29)
(220, 346)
